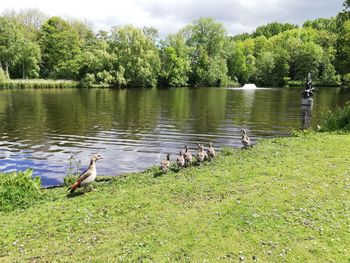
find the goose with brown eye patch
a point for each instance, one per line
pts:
(88, 176)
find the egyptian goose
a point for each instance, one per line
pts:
(88, 176)
(245, 139)
(165, 164)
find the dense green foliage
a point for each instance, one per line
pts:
(200, 54)
(268, 204)
(18, 190)
(337, 120)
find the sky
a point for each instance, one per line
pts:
(169, 16)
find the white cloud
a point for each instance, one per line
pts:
(168, 16)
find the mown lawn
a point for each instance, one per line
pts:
(285, 200)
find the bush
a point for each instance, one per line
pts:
(346, 80)
(337, 120)
(18, 190)
(88, 80)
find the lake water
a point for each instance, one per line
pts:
(134, 128)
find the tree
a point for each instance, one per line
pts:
(308, 57)
(272, 29)
(328, 24)
(206, 38)
(343, 49)
(236, 62)
(175, 62)
(28, 59)
(342, 43)
(100, 67)
(86, 34)
(265, 65)
(60, 47)
(151, 33)
(9, 34)
(137, 55)
(30, 19)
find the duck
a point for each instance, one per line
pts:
(188, 156)
(88, 176)
(180, 160)
(201, 154)
(165, 164)
(211, 151)
(245, 139)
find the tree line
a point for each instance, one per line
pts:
(202, 53)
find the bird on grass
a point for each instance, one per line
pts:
(88, 176)
(211, 151)
(180, 161)
(201, 154)
(165, 164)
(188, 156)
(245, 139)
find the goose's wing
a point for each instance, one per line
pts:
(85, 175)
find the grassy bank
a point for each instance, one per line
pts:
(287, 199)
(37, 84)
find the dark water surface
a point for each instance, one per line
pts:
(133, 129)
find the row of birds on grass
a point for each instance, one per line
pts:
(184, 159)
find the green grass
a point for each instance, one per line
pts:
(285, 200)
(37, 84)
(337, 120)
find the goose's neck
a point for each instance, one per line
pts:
(92, 164)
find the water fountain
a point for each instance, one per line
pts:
(249, 86)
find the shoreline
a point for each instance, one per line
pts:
(277, 201)
(63, 83)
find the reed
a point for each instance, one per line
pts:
(37, 84)
(337, 120)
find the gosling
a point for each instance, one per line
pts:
(211, 151)
(188, 156)
(88, 176)
(165, 164)
(245, 139)
(201, 154)
(180, 161)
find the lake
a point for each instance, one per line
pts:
(134, 128)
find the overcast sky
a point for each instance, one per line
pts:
(168, 16)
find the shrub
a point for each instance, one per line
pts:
(337, 120)
(18, 190)
(346, 80)
(72, 172)
(88, 80)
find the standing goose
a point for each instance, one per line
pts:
(88, 176)
(188, 156)
(180, 160)
(165, 164)
(201, 154)
(211, 151)
(245, 139)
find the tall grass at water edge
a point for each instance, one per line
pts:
(37, 84)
